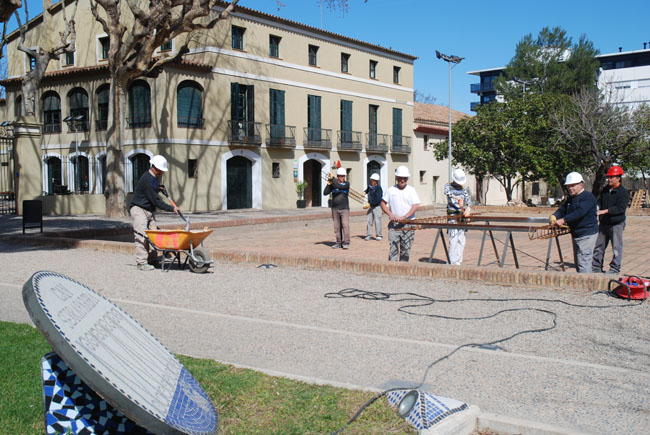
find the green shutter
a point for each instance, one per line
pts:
(397, 126)
(277, 113)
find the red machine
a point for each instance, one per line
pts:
(631, 287)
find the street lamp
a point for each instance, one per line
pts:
(451, 60)
(74, 122)
(524, 83)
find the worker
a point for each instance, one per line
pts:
(579, 213)
(458, 204)
(373, 215)
(339, 188)
(400, 202)
(143, 205)
(612, 203)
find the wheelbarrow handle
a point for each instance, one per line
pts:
(164, 192)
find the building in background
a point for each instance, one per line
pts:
(625, 76)
(259, 104)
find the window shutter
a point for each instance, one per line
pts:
(346, 115)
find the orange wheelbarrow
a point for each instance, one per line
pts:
(177, 242)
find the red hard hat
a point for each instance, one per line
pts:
(615, 170)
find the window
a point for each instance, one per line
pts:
(242, 110)
(78, 101)
(18, 106)
(373, 69)
(238, 37)
(51, 113)
(274, 46)
(103, 93)
(68, 58)
(313, 59)
(396, 71)
(313, 118)
(140, 164)
(139, 105)
(277, 114)
(104, 45)
(189, 100)
(276, 169)
(346, 122)
(535, 188)
(79, 176)
(372, 124)
(101, 184)
(192, 168)
(422, 175)
(32, 63)
(397, 127)
(53, 176)
(426, 142)
(345, 61)
(167, 46)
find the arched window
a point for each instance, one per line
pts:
(140, 166)
(103, 93)
(189, 98)
(51, 112)
(139, 105)
(78, 100)
(80, 176)
(53, 176)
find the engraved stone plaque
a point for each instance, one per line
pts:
(117, 357)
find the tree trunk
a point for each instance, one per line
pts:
(115, 192)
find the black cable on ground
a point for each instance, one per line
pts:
(418, 301)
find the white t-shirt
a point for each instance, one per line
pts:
(401, 201)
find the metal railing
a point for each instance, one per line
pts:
(190, 122)
(101, 124)
(318, 138)
(400, 145)
(281, 135)
(376, 142)
(139, 122)
(52, 128)
(244, 132)
(481, 87)
(349, 140)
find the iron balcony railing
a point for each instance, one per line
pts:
(139, 122)
(400, 145)
(81, 126)
(101, 124)
(376, 142)
(481, 87)
(52, 127)
(349, 140)
(242, 132)
(281, 135)
(190, 122)
(473, 105)
(319, 138)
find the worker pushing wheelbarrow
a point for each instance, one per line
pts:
(149, 240)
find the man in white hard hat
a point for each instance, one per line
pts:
(400, 202)
(143, 204)
(339, 188)
(373, 216)
(458, 204)
(579, 213)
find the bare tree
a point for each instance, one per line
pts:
(7, 9)
(40, 57)
(420, 97)
(608, 133)
(133, 40)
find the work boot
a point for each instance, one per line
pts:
(336, 246)
(367, 238)
(346, 246)
(612, 272)
(145, 267)
(378, 238)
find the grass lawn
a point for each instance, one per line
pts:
(247, 401)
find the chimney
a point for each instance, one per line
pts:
(644, 45)
(620, 49)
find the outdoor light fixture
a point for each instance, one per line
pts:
(455, 60)
(423, 410)
(524, 83)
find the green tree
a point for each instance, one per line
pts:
(551, 63)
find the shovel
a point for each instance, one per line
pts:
(187, 221)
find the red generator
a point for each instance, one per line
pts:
(631, 287)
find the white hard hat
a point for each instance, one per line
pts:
(159, 162)
(573, 178)
(341, 171)
(375, 176)
(402, 171)
(459, 176)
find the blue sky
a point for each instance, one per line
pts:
(484, 32)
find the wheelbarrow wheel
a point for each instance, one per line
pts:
(202, 264)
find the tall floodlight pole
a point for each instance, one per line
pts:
(455, 60)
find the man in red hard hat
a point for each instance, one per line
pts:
(612, 203)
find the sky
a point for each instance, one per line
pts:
(485, 33)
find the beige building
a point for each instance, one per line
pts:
(259, 104)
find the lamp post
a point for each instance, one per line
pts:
(524, 83)
(455, 60)
(73, 124)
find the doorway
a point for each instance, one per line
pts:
(312, 175)
(239, 185)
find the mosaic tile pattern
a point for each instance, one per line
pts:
(189, 398)
(428, 410)
(71, 404)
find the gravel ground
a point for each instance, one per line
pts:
(591, 372)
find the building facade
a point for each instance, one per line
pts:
(258, 104)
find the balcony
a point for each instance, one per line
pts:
(472, 106)
(317, 138)
(52, 127)
(400, 145)
(244, 133)
(190, 122)
(349, 140)
(101, 124)
(139, 122)
(377, 143)
(481, 87)
(282, 136)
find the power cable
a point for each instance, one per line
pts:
(353, 293)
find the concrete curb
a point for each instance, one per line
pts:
(504, 425)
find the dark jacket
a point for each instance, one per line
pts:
(339, 193)
(615, 201)
(374, 195)
(579, 212)
(146, 194)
